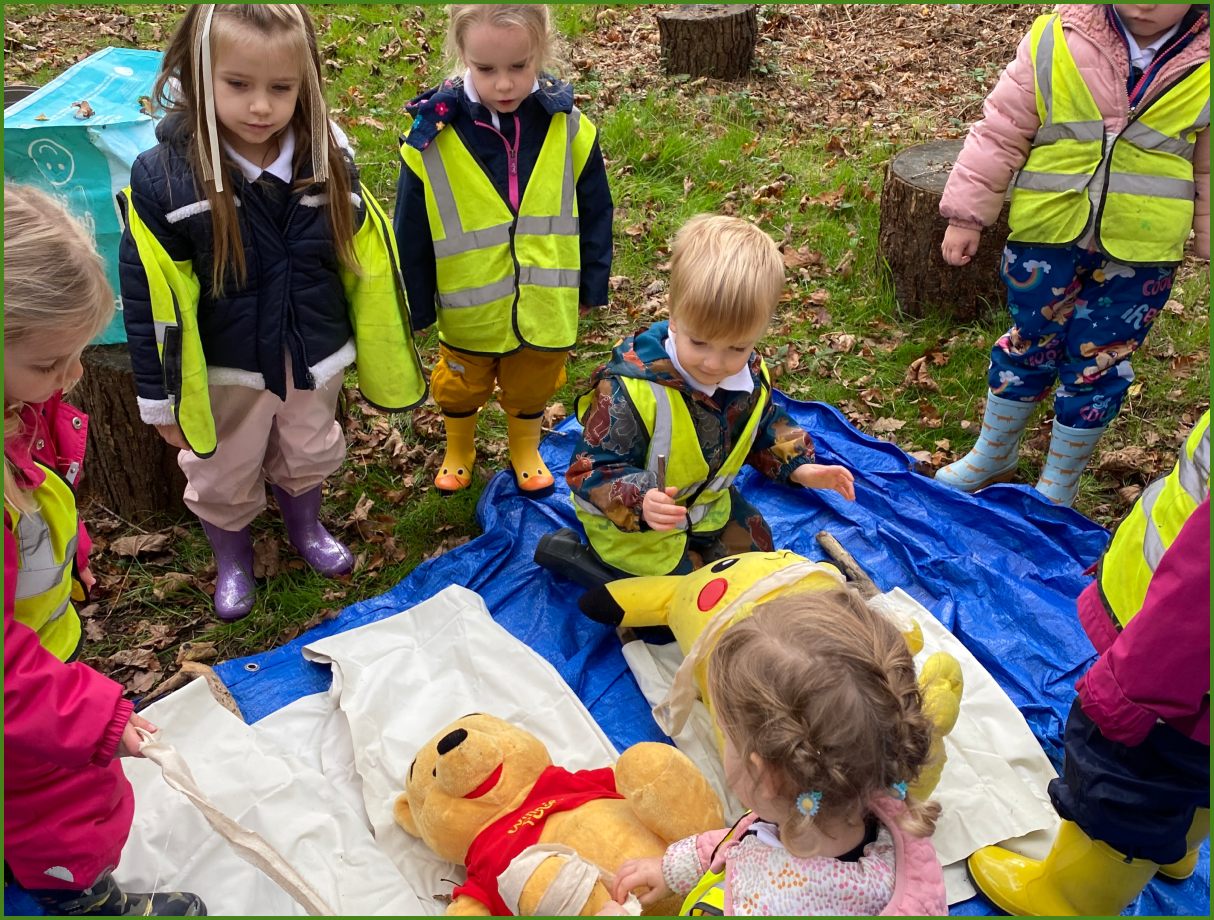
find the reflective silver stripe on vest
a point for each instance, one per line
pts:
(1069, 130)
(1045, 70)
(38, 571)
(549, 226)
(1151, 186)
(456, 239)
(1194, 477)
(573, 122)
(1148, 138)
(478, 296)
(549, 277)
(663, 428)
(1051, 182)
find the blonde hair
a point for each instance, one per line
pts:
(822, 687)
(176, 90)
(726, 276)
(54, 286)
(532, 18)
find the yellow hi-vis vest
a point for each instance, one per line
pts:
(707, 897)
(672, 435)
(46, 558)
(1153, 523)
(506, 280)
(389, 367)
(1141, 184)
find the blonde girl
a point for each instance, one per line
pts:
(817, 700)
(67, 803)
(503, 220)
(255, 269)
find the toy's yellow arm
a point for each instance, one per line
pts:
(641, 601)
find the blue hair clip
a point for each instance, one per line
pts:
(808, 803)
(899, 790)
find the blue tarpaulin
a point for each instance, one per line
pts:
(1001, 570)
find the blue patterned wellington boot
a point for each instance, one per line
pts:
(994, 457)
(1070, 450)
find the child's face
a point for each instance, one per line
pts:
(502, 63)
(711, 360)
(1147, 21)
(37, 369)
(256, 88)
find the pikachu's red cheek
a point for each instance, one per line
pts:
(711, 594)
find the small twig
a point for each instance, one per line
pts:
(847, 562)
(115, 514)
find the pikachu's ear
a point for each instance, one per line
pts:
(641, 601)
(404, 815)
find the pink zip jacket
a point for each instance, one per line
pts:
(898, 871)
(67, 803)
(1158, 667)
(999, 144)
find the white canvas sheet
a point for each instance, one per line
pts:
(318, 777)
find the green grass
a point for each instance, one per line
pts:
(674, 148)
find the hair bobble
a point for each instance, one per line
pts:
(808, 803)
(899, 790)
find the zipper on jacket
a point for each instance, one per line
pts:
(301, 361)
(1160, 57)
(511, 158)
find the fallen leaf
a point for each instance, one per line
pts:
(819, 297)
(1132, 459)
(196, 651)
(917, 375)
(1129, 494)
(134, 658)
(554, 414)
(171, 583)
(140, 544)
(886, 425)
(362, 508)
(266, 553)
(83, 109)
(840, 341)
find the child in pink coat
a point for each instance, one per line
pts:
(817, 701)
(67, 803)
(1105, 113)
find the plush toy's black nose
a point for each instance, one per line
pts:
(451, 740)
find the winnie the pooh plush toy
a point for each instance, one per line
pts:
(700, 606)
(539, 840)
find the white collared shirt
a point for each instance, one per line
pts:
(471, 95)
(281, 168)
(1142, 57)
(741, 382)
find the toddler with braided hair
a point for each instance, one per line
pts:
(821, 713)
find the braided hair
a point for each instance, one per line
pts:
(823, 689)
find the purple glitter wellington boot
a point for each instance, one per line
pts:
(320, 549)
(234, 585)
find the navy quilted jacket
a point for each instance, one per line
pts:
(293, 301)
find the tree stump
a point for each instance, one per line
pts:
(130, 469)
(911, 232)
(709, 39)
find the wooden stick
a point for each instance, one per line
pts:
(845, 561)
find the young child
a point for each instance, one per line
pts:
(67, 803)
(1134, 793)
(1105, 112)
(817, 700)
(503, 219)
(678, 409)
(255, 269)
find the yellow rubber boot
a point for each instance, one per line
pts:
(456, 471)
(1199, 830)
(1079, 877)
(524, 438)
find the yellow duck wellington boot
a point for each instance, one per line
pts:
(1199, 830)
(456, 471)
(1079, 877)
(530, 472)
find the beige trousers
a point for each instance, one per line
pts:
(295, 443)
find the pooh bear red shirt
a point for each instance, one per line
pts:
(491, 852)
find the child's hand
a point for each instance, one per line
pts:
(87, 578)
(129, 745)
(173, 434)
(641, 873)
(817, 476)
(612, 909)
(660, 510)
(960, 244)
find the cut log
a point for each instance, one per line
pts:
(910, 236)
(130, 469)
(709, 39)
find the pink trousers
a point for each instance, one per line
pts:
(295, 443)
